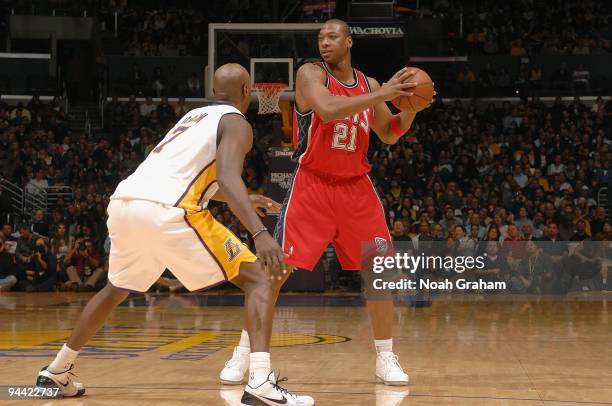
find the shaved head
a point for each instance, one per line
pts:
(343, 26)
(335, 42)
(231, 82)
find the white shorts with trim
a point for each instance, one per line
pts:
(148, 237)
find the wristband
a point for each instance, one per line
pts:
(256, 234)
(396, 128)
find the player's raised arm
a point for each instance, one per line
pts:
(387, 126)
(235, 139)
(313, 95)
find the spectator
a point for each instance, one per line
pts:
(495, 265)
(450, 220)
(8, 270)
(527, 232)
(493, 233)
(556, 167)
(61, 242)
(557, 250)
(585, 264)
(147, 107)
(475, 223)
(398, 233)
(464, 245)
(7, 232)
(422, 236)
(513, 247)
(37, 184)
(579, 234)
(40, 225)
(21, 112)
(535, 272)
(25, 244)
(519, 177)
(523, 218)
(83, 267)
(165, 112)
(598, 221)
(39, 270)
(194, 86)
(181, 108)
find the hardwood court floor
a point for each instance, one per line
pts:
(168, 350)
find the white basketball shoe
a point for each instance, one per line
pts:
(63, 380)
(389, 371)
(270, 393)
(236, 368)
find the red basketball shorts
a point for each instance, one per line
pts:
(319, 210)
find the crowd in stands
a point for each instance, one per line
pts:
(171, 29)
(512, 172)
(526, 27)
(469, 171)
(37, 151)
(529, 79)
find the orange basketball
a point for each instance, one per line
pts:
(423, 92)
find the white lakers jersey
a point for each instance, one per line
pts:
(181, 171)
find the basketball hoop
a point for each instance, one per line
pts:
(268, 95)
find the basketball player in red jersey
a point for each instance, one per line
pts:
(331, 198)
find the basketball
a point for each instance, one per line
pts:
(423, 93)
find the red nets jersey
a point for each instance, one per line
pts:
(338, 148)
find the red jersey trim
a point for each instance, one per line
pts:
(329, 73)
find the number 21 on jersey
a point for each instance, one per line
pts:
(342, 139)
(345, 134)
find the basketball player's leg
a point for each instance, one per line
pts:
(95, 314)
(92, 318)
(363, 234)
(305, 227)
(209, 253)
(131, 226)
(261, 291)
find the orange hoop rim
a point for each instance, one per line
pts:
(270, 87)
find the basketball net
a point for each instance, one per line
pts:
(268, 95)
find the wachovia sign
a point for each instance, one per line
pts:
(380, 30)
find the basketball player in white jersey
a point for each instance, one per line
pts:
(158, 219)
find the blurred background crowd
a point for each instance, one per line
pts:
(472, 170)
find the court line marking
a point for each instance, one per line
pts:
(518, 359)
(421, 395)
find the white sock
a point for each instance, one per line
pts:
(244, 341)
(63, 360)
(259, 367)
(383, 345)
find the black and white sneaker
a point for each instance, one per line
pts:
(63, 380)
(270, 393)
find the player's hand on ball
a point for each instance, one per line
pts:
(260, 202)
(398, 85)
(271, 255)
